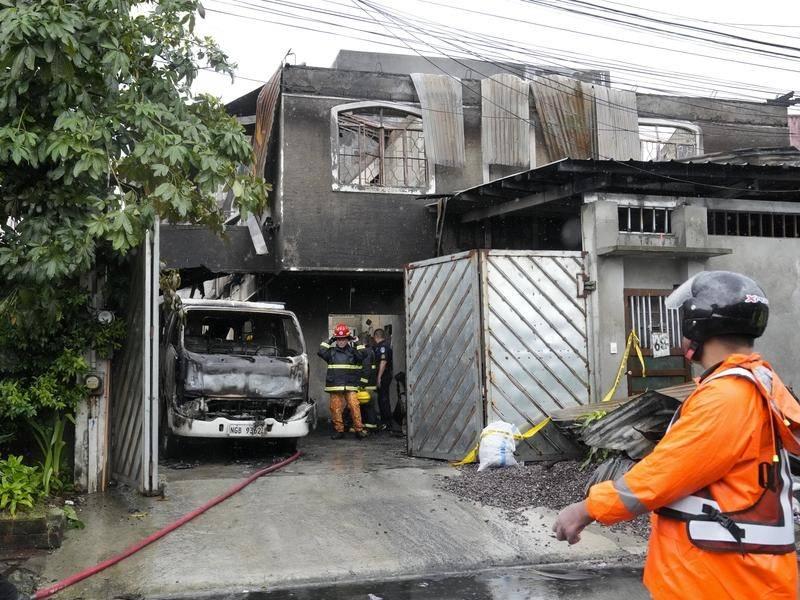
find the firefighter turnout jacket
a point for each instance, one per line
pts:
(344, 366)
(369, 374)
(720, 484)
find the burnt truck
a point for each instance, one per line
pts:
(233, 370)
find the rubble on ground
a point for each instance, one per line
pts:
(514, 489)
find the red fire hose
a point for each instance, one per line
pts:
(73, 579)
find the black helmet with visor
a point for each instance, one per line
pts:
(715, 303)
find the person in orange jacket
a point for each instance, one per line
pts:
(719, 482)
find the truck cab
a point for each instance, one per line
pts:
(233, 370)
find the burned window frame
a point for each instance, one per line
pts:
(182, 323)
(683, 125)
(381, 187)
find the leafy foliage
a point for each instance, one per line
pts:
(73, 520)
(100, 135)
(20, 485)
(50, 440)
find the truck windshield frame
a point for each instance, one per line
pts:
(241, 333)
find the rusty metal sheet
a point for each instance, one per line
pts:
(442, 118)
(617, 124)
(535, 338)
(505, 121)
(794, 130)
(445, 405)
(266, 107)
(565, 108)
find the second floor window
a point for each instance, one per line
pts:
(381, 147)
(641, 219)
(661, 139)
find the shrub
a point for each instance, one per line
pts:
(20, 485)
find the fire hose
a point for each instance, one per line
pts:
(86, 573)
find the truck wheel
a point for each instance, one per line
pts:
(287, 445)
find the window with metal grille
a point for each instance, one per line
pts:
(753, 224)
(663, 139)
(640, 219)
(648, 314)
(381, 147)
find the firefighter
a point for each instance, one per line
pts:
(719, 481)
(383, 356)
(345, 357)
(369, 384)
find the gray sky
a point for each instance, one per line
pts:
(523, 31)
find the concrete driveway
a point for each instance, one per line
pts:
(347, 511)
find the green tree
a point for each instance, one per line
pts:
(100, 134)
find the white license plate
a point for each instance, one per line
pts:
(246, 430)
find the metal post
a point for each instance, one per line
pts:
(146, 362)
(154, 357)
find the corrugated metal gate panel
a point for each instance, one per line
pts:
(535, 340)
(134, 385)
(126, 389)
(445, 407)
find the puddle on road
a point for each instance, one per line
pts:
(510, 584)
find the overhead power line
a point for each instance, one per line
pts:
(598, 11)
(407, 45)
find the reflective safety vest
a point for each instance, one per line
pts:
(766, 527)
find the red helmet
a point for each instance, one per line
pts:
(341, 331)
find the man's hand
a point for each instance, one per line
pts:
(571, 521)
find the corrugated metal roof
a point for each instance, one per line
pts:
(784, 156)
(505, 116)
(442, 118)
(565, 107)
(617, 120)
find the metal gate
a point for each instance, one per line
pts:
(134, 391)
(445, 403)
(646, 313)
(535, 341)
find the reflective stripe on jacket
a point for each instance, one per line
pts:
(725, 431)
(344, 366)
(766, 527)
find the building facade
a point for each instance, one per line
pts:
(372, 170)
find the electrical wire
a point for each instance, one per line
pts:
(564, 5)
(484, 58)
(408, 46)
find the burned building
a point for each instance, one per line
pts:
(372, 170)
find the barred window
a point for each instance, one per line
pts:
(662, 139)
(381, 147)
(640, 219)
(753, 224)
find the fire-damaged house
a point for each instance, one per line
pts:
(508, 232)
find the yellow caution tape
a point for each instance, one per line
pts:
(633, 339)
(472, 455)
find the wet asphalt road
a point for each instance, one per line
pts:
(503, 584)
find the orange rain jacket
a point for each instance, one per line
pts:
(721, 437)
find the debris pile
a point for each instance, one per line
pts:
(535, 484)
(513, 488)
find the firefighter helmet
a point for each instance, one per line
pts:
(341, 331)
(363, 396)
(720, 303)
